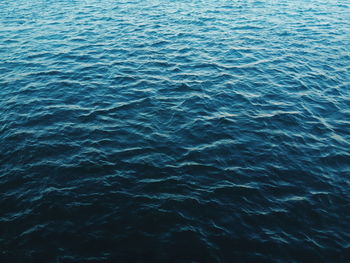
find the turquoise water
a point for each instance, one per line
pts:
(174, 131)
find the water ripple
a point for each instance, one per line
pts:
(189, 131)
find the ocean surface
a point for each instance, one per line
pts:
(174, 131)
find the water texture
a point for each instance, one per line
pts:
(174, 131)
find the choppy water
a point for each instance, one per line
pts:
(174, 131)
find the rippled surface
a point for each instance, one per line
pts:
(174, 131)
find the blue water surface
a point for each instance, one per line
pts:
(174, 131)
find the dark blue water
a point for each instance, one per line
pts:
(174, 131)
